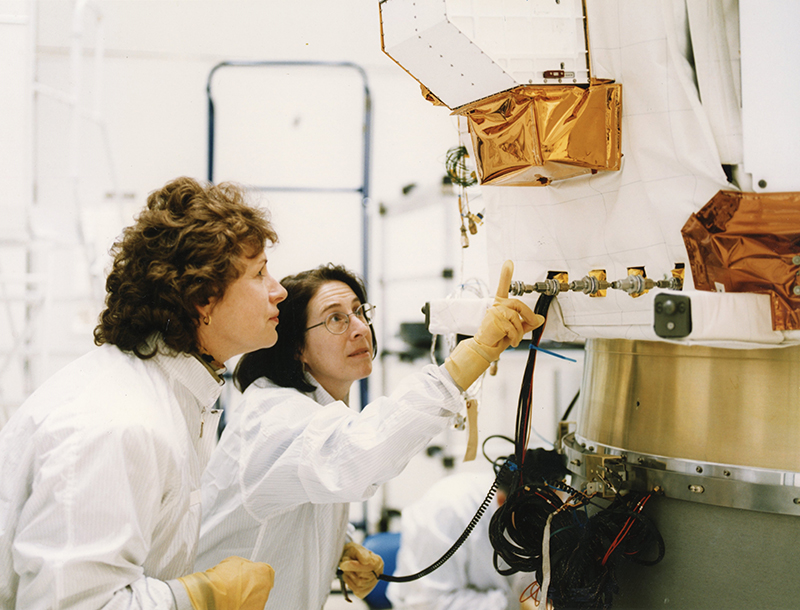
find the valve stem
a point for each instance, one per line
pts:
(588, 285)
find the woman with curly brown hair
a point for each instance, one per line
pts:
(100, 493)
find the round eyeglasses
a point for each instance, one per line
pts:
(338, 322)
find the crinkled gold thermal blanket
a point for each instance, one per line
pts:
(747, 242)
(544, 127)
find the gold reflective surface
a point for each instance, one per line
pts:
(727, 406)
(749, 242)
(530, 126)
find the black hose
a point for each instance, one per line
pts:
(523, 414)
(467, 531)
(571, 405)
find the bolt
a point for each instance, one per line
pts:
(796, 290)
(796, 259)
(699, 469)
(762, 184)
(727, 473)
(671, 325)
(797, 500)
(696, 489)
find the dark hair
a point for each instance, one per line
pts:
(281, 362)
(182, 250)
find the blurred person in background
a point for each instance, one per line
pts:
(294, 454)
(100, 493)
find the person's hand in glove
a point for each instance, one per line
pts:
(233, 584)
(504, 324)
(361, 568)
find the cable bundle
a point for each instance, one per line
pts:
(516, 528)
(586, 540)
(585, 551)
(525, 402)
(456, 167)
(571, 546)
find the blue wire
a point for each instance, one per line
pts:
(551, 443)
(547, 351)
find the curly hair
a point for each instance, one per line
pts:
(184, 249)
(281, 362)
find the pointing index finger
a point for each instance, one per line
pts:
(506, 273)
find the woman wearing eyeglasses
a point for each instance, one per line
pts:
(294, 455)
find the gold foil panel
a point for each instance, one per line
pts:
(749, 242)
(504, 134)
(679, 272)
(527, 135)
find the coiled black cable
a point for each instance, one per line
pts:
(449, 553)
(517, 528)
(456, 167)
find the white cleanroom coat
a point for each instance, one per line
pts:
(278, 484)
(100, 492)
(430, 526)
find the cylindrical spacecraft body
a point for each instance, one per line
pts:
(715, 432)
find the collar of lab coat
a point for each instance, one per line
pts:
(320, 395)
(190, 371)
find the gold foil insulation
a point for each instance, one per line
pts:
(749, 242)
(531, 135)
(429, 96)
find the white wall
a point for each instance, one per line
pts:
(15, 175)
(144, 121)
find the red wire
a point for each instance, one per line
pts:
(625, 529)
(532, 592)
(528, 422)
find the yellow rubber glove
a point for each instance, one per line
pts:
(233, 584)
(504, 324)
(360, 566)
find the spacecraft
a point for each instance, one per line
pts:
(637, 162)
